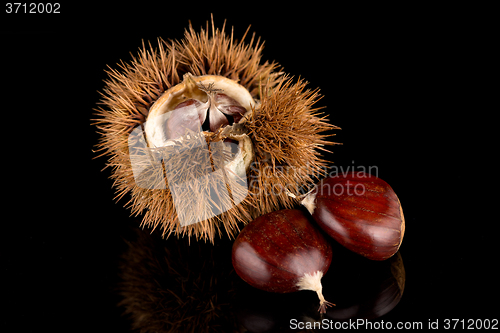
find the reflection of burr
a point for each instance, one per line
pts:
(171, 286)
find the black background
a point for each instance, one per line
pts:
(400, 82)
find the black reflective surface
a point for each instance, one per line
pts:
(164, 282)
(394, 84)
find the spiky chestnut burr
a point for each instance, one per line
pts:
(281, 128)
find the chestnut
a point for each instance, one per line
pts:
(283, 252)
(361, 212)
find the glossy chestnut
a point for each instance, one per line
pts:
(361, 212)
(282, 252)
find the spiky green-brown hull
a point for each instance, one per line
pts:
(286, 130)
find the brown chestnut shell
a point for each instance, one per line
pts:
(361, 212)
(274, 251)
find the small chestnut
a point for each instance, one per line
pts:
(361, 212)
(282, 252)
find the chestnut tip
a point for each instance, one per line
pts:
(313, 282)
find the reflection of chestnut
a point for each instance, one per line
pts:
(364, 290)
(173, 286)
(259, 311)
(257, 323)
(369, 291)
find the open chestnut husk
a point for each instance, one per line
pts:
(361, 212)
(194, 130)
(283, 252)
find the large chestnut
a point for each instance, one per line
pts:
(361, 212)
(282, 252)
